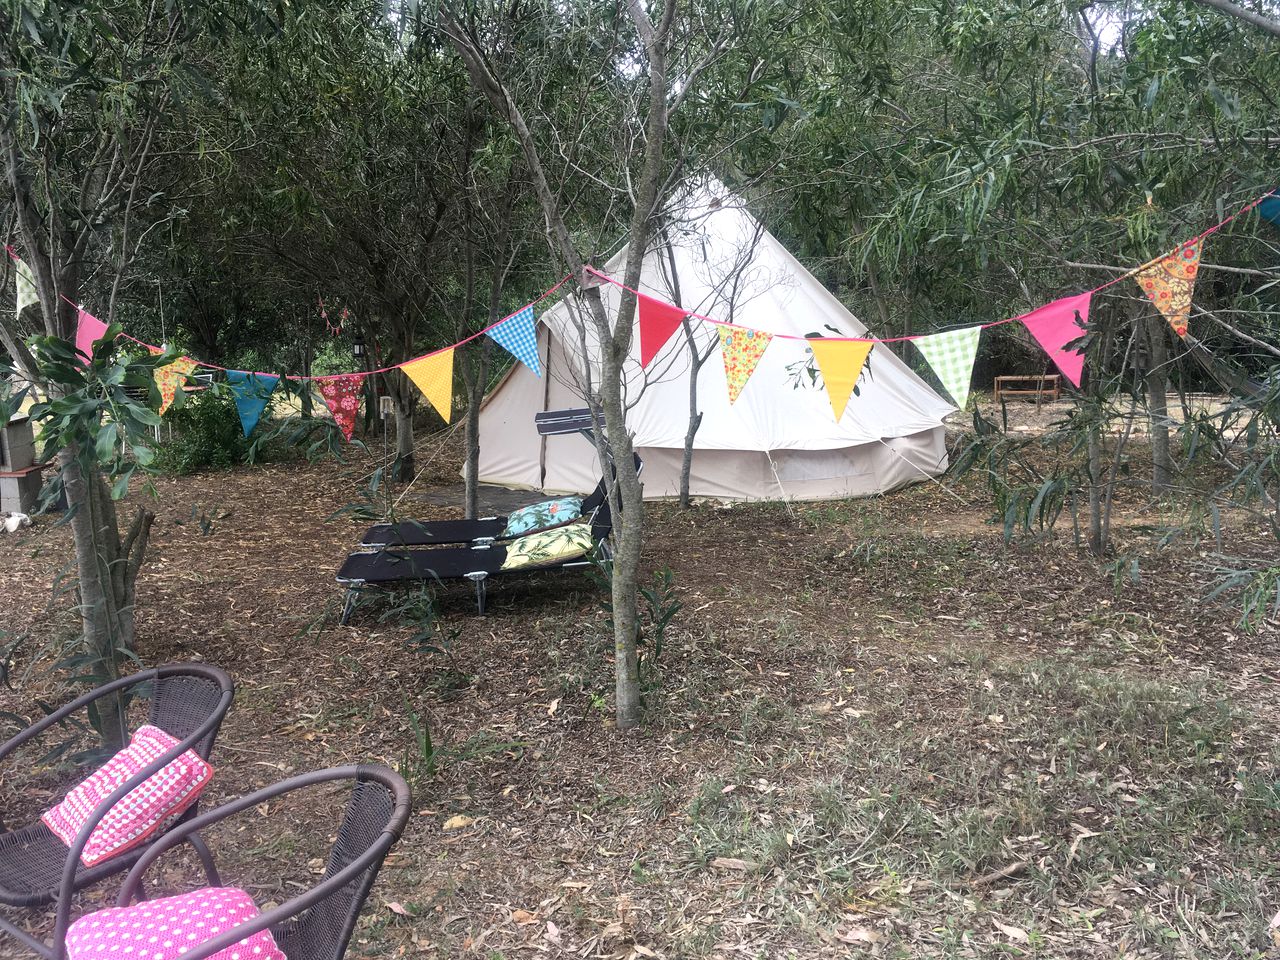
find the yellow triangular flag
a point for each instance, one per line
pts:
(840, 362)
(434, 376)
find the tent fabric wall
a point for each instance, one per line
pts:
(779, 440)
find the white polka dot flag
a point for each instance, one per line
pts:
(26, 285)
(519, 335)
(951, 355)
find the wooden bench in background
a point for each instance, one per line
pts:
(1046, 385)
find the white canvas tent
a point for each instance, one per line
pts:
(780, 440)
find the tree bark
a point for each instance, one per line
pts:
(473, 380)
(1097, 530)
(1156, 381)
(1241, 13)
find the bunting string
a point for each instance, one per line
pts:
(1167, 280)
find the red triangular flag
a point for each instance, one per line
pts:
(342, 397)
(658, 321)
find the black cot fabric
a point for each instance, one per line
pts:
(421, 533)
(391, 566)
(426, 533)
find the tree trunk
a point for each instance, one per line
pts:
(401, 391)
(108, 572)
(1097, 531)
(1156, 380)
(473, 381)
(628, 534)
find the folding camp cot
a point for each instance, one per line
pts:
(429, 533)
(393, 567)
(388, 566)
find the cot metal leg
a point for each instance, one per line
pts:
(481, 592)
(348, 605)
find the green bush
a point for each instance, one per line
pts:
(206, 435)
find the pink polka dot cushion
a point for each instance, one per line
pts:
(168, 928)
(140, 813)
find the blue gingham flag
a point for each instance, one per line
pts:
(951, 356)
(519, 334)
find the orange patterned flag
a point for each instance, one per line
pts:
(1168, 284)
(742, 350)
(170, 377)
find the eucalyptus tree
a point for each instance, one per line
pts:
(92, 98)
(610, 96)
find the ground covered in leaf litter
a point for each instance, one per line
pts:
(874, 730)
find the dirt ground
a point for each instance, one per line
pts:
(874, 729)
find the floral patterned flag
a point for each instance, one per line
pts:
(658, 321)
(1056, 324)
(170, 377)
(89, 330)
(433, 375)
(25, 283)
(252, 392)
(951, 354)
(342, 397)
(841, 363)
(742, 350)
(1168, 284)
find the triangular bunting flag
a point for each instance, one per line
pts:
(434, 376)
(840, 362)
(252, 392)
(519, 335)
(951, 355)
(89, 330)
(170, 377)
(658, 321)
(25, 284)
(742, 349)
(342, 397)
(1168, 284)
(1269, 208)
(1054, 325)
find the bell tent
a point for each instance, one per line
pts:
(779, 440)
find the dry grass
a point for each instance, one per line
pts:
(876, 731)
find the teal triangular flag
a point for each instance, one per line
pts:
(951, 355)
(519, 335)
(252, 392)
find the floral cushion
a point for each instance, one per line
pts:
(165, 929)
(549, 547)
(540, 516)
(140, 813)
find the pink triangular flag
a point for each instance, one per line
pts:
(342, 397)
(1054, 325)
(658, 321)
(89, 330)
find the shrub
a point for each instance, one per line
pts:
(206, 434)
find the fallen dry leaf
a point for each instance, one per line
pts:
(733, 863)
(1016, 934)
(398, 909)
(458, 822)
(863, 935)
(524, 917)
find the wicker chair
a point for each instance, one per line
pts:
(316, 925)
(189, 702)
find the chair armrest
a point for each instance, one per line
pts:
(290, 908)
